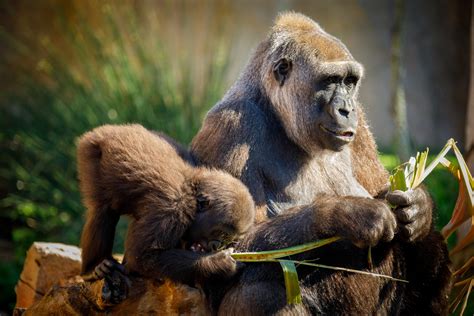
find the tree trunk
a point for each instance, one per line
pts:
(469, 143)
(399, 109)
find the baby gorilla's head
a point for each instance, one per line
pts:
(224, 211)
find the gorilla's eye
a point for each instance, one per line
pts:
(202, 204)
(351, 80)
(284, 67)
(331, 79)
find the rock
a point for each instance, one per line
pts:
(46, 264)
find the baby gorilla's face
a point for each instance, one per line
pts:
(207, 234)
(216, 225)
(224, 212)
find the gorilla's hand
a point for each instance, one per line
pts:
(104, 269)
(116, 283)
(414, 211)
(220, 264)
(363, 221)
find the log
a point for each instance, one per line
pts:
(46, 264)
(50, 285)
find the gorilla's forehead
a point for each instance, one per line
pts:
(307, 37)
(340, 68)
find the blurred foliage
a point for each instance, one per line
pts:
(105, 67)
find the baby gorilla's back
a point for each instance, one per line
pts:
(180, 214)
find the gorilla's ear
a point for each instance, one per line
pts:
(281, 70)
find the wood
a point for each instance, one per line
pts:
(46, 264)
(50, 285)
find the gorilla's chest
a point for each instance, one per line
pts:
(327, 173)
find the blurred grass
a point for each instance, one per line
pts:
(99, 63)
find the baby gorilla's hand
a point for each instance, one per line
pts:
(219, 264)
(116, 283)
(104, 270)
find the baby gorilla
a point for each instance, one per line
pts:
(181, 215)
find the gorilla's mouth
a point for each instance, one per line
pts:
(197, 247)
(207, 246)
(345, 135)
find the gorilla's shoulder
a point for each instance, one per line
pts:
(230, 130)
(243, 115)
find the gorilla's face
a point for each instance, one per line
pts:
(224, 212)
(333, 104)
(316, 101)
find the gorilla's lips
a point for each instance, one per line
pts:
(344, 135)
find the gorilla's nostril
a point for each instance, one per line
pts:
(344, 112)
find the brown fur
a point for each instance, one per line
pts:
(129, 170)
(307, 185)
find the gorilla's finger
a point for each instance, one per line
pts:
(106, 292)
(399, 198)
(388, 234)
(406, 232)
(102, 271)
(407, 214)
(389, 230)
(412, 231)
(107, 263)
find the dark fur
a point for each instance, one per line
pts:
(308, 184)
(173, 205)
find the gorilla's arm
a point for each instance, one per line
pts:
(363, 221)
(430, 280)
(185, 266)
(414, 214)
(151, 251)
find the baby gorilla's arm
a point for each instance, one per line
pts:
(152, 251)
(184, 266)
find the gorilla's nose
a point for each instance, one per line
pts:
(340, 107)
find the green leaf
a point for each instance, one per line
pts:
(293, 293)
(397, 180)
(262, 256)
(323, 266)
(419, 168)
(439, 158)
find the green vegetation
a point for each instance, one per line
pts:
(84, 78)
(440, 183)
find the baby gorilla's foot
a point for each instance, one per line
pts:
(115, 288)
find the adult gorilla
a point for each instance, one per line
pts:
(292, 130)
